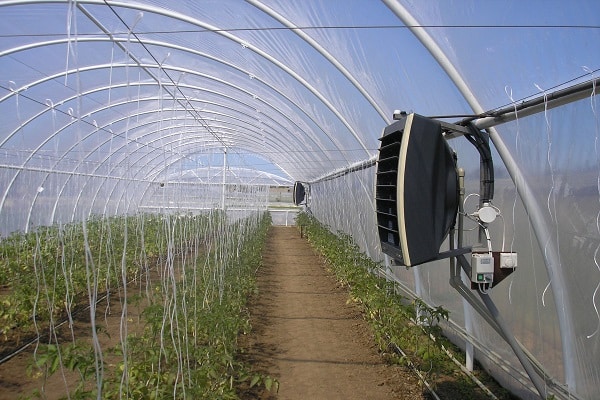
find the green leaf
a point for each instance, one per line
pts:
(254, 380)
(55, 364)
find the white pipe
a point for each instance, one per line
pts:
(224, 178)
(315, 44)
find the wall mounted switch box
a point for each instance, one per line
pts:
(482, 268)
(508, 260)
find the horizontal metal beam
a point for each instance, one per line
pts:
(492, 118)
(357, 166)
(536, 105)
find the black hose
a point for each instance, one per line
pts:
(481, 143)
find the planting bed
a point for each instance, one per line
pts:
(403, 328)
(18, 376)
(138, 307)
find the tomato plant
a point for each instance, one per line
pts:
(194, 311)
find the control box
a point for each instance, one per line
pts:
(482, 268)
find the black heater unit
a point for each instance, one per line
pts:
(416, 192)
(299, 193)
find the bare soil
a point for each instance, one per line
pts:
(309, 337)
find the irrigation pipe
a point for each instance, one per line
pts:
(32, 341)
(64, 321)
(397, 349)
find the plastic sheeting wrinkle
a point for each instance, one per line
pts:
(596, 139)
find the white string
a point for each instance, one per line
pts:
(509, 93)
(544, 294)
(13, 88)
(551, 201)
(597, 153)
(92, 287)
(70, 13)
(594, 296)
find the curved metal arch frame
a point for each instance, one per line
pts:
(173, 177)
(93, 175)
(328, 56)
(337, 145)
(250, 122)
(31, 156)
(108, 157)
(153, 181)
(304, 145)
(139, 126)
(115, 105)
(160, 44)
(142, 125)
(46, 110)
(235, 39)
(227, 35)
(145, 179)
(142, 156)
(152, 176)
(202, 141)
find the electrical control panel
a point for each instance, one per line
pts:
(482, 268)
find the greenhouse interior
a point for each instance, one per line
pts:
(146, 144)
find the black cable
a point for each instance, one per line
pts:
(481, 143)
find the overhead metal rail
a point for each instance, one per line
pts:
(535, 105)
(493, 118)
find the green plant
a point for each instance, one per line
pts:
(75, 356)
(194, 311)
(412, 325)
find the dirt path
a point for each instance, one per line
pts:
(308, 337)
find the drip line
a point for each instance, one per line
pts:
(64, 321)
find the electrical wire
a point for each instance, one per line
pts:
(326, 27)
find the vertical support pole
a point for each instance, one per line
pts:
(469, 350)
(546, 241)
(224, 178)
(455, 270)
